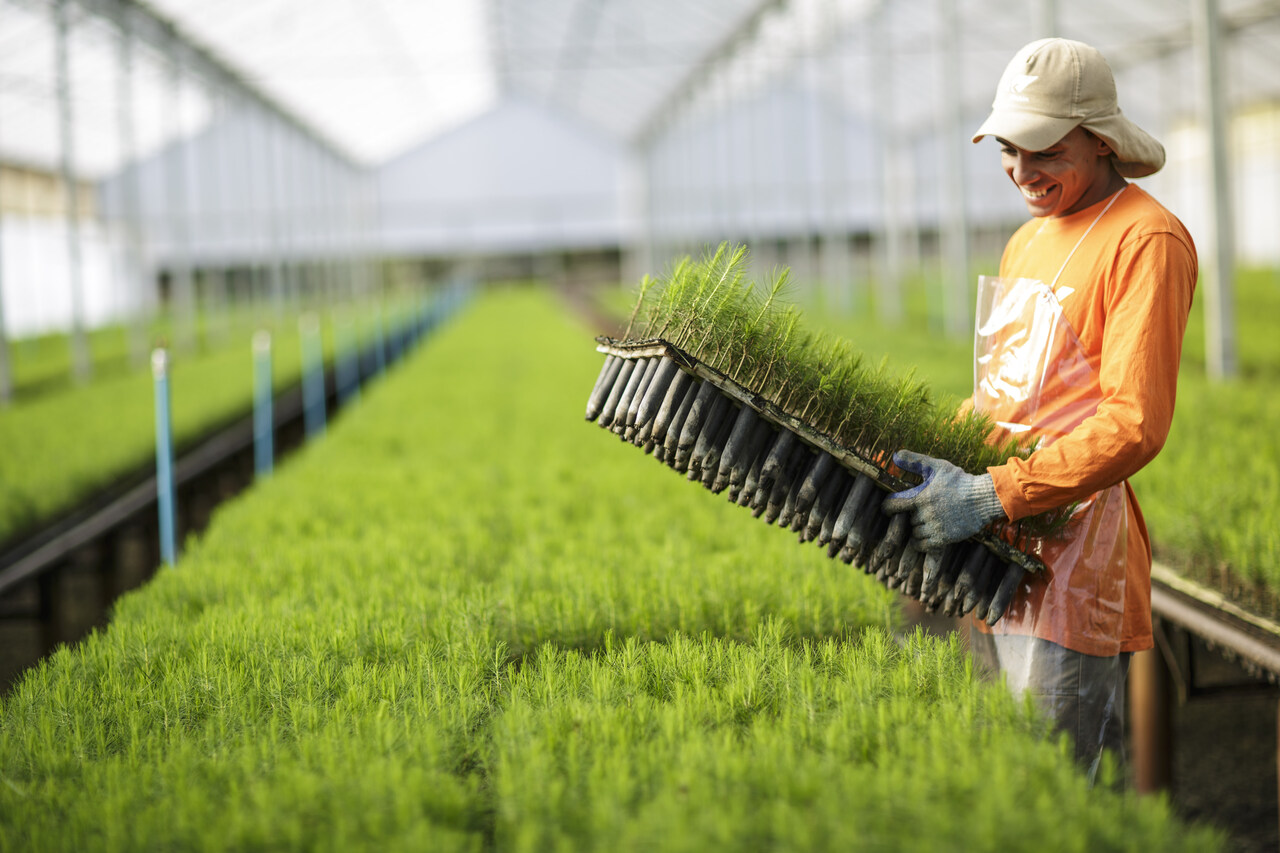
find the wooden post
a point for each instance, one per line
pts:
(1150, 714)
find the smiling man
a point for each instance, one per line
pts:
(1076, 354)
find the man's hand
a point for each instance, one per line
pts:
(948, 506)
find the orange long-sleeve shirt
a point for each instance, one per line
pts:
(1126, 291)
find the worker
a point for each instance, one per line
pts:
(1077, 344)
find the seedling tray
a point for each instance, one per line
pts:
(703, 424)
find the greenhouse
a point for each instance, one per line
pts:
(305, 544)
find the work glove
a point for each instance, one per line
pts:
(950, 505)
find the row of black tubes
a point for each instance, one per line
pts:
(698, 430)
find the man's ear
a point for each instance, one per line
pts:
(1104, 148)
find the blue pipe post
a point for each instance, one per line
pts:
(346, 363)
(379, 343)
(263, 406)
(312, 375)
(165, 498)
(394, 341)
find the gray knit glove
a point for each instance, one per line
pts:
(948, 506)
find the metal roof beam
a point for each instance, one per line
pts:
(158, 32)
(581, 33)
(717, 53)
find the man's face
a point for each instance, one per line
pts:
(1066, 177)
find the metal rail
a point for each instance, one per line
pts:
(218, 466)
(1250, 639)
(55, 545)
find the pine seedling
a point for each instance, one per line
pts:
(709, 309)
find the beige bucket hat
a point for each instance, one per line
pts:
(1053, 85)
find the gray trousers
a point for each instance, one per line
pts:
(1082, 694)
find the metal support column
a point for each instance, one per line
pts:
(182, 297)
(6, 376)
(1151, 721)
(889, 302)
(130, 190)
(954, 224)
(844, 289)
(275, 203)
(81, 363)
(637, 201)
(1044, 19)
(1219, 278)
(214, 173)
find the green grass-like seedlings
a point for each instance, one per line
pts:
(709, 309)
(62, 445)
(464, 621)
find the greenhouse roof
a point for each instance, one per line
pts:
(378, 77)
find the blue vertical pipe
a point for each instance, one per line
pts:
(263, 406)
(379, 343)
(312, 375)
(347, 363)
(165, 498)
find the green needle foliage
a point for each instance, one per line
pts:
(465, 621)
(61, 446)
(709, 309)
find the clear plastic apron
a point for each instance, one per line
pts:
(1035, 380)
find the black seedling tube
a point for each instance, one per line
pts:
(947, 582)
(720, 407)
(604, 384)
(981, 581)
(633, 408)
(895, 537)
(988, 591)
(913, 558)
(773, 463)
(680, 383)
(829, 507)
(879, 527)
(901, 562)
(615, 393)
(1004, 593)
(952, 602)
(711, 461)
(748, 490)
(814, 480)
(934, 564)
(863, 557)
(656, 392)
(620, 414)
(968, 573)
(822, 504)
(864, 526)
(893, 569)
(707, 394)
(788, 517)
(753, 456)
(677, 426)
(786, 479)
(849, 512)
(644, 436)
(744, 426)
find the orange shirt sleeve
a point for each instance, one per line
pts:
(1145, 303)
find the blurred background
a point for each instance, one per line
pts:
(183, 158)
